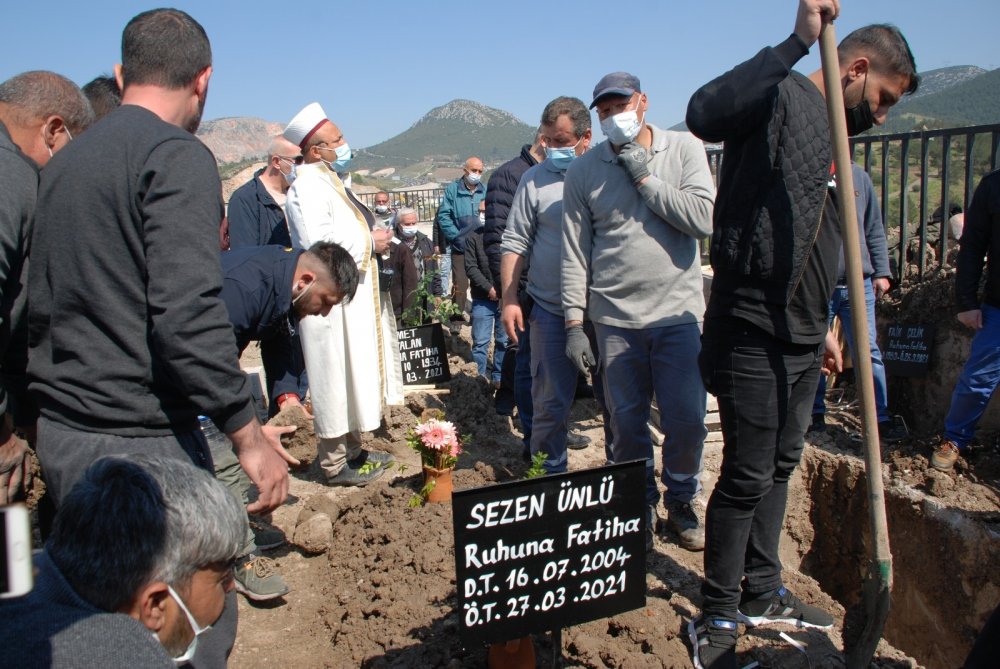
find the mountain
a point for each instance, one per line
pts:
(935, 81)
(238, 138)
(450, 134)
(971, 99)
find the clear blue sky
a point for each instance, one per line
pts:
(376, 67)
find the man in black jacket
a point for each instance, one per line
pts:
(775, 249)
(486, 324)
(981, 374)
(515, 376)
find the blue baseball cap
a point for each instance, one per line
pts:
(616, 83)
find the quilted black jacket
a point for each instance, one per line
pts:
(775, 169)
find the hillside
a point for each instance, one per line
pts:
(954, 97)
(450, 134)
(238, 138)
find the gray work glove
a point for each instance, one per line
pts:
(634, 158)
(578, 348)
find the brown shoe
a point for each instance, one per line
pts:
(945, 456)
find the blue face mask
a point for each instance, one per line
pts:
(343, 160)
(562, 157)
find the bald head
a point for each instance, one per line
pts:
(472, 172)
(39, 108)
(474, 164)
(282, 147)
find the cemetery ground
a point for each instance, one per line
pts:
(373, 580)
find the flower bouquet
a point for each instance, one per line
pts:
(438, 444)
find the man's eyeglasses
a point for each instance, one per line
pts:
(297, 159)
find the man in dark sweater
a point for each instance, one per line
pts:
(129, 339)
(979, 379)
(256, 210)
(775, 249)
(136, 568)
(486, 324)
(39, 114)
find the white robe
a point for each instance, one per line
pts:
(351, 355)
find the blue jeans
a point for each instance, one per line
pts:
(522, 382)
(664, 361)
(764, 386)
(487, 326)
(977, 382)
(444, 267)
(840, 306)
(553, 386)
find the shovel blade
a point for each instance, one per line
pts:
(866, 622)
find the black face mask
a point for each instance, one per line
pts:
(859, 117)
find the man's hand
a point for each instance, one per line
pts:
(833, 361)
(578, 348)
(380, 239)
(513, 320)
(265, 461)
(973, 318)
(880, 286)
(811, 17)
(15, 467)
(633, 158)
(492, 295)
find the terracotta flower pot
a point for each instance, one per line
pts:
(513, 654)
(441, 492)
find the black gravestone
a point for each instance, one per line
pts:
(423, 356)
(907, 351)
(550, 552)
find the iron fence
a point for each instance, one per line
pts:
(424, 200)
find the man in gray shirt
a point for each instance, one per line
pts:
(533, 237)
(634, 209)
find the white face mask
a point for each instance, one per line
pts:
(408, 231)
(197, 629)
(473, 178)
(381, 209)
(622, 128)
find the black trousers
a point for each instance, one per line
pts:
(765, 387)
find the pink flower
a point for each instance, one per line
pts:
(437, 435)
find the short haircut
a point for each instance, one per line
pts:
(33, 96)
(887, 50)
(578, 114)
(129, 523)
(103, 94)
(381, 192)
(164, 47)
(340, 264)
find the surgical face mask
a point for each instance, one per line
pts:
(343, 160)
(408, 231)
(562, 157)
(303, 292)
(860, 117)
(290, 177)
(622, 128)
(482, 217)
(188, 653)
(381, 209)
(473, 178)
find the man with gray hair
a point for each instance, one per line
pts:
(137, 567)
(39, 114)
(256, 209)
(533, 239)
(635, 209)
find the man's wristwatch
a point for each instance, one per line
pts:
(281, 399)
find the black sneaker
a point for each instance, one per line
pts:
(818, 424)
(713, 643)
(893, 430)
(380, 457)
(781, 606)
(576, 441)
(684, 522)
